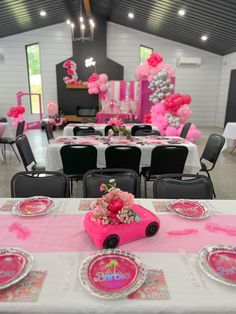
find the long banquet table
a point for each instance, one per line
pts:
(68, 129)
(59, 244)
(54, 163)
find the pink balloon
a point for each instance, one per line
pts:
(171, 131)
(103, 87)
(103, 78)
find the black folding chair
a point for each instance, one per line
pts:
(77, 160)
(165, 159)
(120, 156)
(211, 153)
(27, 155)
(40, 183)
(110, 127)
(11, 141)
(78, 129)
(186, 186)
(185, 130)
(147, 133)
(126, 179)
(49, 131)
(140, 127)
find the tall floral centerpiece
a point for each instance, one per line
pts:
(117, 125)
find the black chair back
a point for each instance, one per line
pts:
(213, 148)
(140, 127)
(20, 128)
(132, 121)
(126, 179)
(39, 183)
(78, 159)
(78, 129)
(25, 150)
(147, 133)
(185, 130)
(49, 131)
(119, 156)
(168, 159)
(3, 119)
(171, 186)
(86, 132)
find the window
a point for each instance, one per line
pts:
(144, 53)
(34, 75)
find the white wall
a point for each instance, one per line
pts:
(55, 46)
(202, 83)
(228, 64)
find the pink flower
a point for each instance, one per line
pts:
(70, 72)
(115, 204)
(154, 59)
(67, 63)
(102, 187)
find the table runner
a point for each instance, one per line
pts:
(65, 233)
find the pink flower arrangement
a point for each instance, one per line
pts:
(15, 112)
(97, 83)
(115, 121)
(115, 207)
(72, 77)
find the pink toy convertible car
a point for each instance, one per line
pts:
(110, 236)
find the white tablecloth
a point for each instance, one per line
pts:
(68, 130)
(63, 293)
(230, 135)
(54, 163)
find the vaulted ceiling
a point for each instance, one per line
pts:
(213, 18)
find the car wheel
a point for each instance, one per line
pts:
(152, 229)
(111, 242)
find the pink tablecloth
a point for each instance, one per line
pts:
(101, 116)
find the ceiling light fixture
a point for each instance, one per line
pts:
(83, 23)
(204, 38)
(131, 15)
(181, 12)
(43, 13)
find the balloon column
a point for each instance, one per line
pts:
(97, 83)
(169, 111)
(16, 114)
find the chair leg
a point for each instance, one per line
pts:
(71, 186)
(208, 174)
(232, 150)
(145, 187)
(15, 152)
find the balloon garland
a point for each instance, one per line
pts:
(97, 83)
(170, 110)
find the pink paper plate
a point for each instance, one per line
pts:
(219, 263)
(15, 264)
(112, 274)
(34, 206)
(189, 209)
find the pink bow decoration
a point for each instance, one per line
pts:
(214, 227)
(21, 232)
(182, 232)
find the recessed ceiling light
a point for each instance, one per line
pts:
(43, 13)
(204, 38)
(181, 12)
(131, 15)
(68, 22)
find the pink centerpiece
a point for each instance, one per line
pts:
(115, 219)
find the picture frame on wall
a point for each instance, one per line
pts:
(144, 53)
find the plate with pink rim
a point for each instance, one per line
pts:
(34, 206)
(15, 264)
(219, 263)
(189, 209)
(112, 274)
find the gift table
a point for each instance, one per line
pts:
(59, 245)
(54, 163)
(102, 116)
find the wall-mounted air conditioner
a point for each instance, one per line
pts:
(189, 61)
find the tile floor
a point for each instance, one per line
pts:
(223, 176)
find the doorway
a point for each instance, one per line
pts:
(230, 115)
